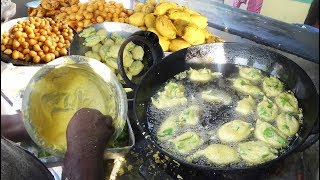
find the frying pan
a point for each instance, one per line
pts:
(217, 56)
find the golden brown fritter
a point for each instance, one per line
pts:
(143, 28)
(137, 19)
(52, 13)
(164, 43)
(213, 39)
(200, 21)
(175, 14)
(190, 11)
(177, 44)
(180, 26)
(207, 33)
(154, 31)
(150, 20)
(50, 4)
(165, 27)
(194, 35)
(138, 7)
(37, 12)
(147, 8)
(162, 8)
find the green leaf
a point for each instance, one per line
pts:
(263, 112)
(286, 127)
(243, 83)
(282, 141)
(243, 152)
(122, 140)
(268, 132)
(291, 114)
(167, 132)
(284, 101)
(42, 153)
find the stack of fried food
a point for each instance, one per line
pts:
(176, 26)
(37, 40)
(81, 15)
(50, 8)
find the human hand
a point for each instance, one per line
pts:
(12, 127)
(89, 131)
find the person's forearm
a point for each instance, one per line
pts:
(12, 128)
(84, 165)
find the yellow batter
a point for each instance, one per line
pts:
(59, 94)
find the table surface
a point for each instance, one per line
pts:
(261, 29)
(145, 161)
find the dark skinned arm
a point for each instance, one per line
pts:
(87, 135)
(12, 127)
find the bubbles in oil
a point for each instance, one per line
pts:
(212, 116)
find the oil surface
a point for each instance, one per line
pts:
(212, 116)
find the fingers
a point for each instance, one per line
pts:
(108, 120)
(84, 111)
(90, 121)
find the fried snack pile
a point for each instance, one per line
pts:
(50, 8)
(105, 48)
(37, 40)
(81, 15)
(177, 27)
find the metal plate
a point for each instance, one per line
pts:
(33, 4)
(90, 65)
(5, 27)
(125, 30)
(126, 4)
(109, 153)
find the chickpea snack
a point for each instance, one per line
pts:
(34, 40)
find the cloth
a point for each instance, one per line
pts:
(237, 3)
(253, 5)
(19, 164)
(8, 10)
